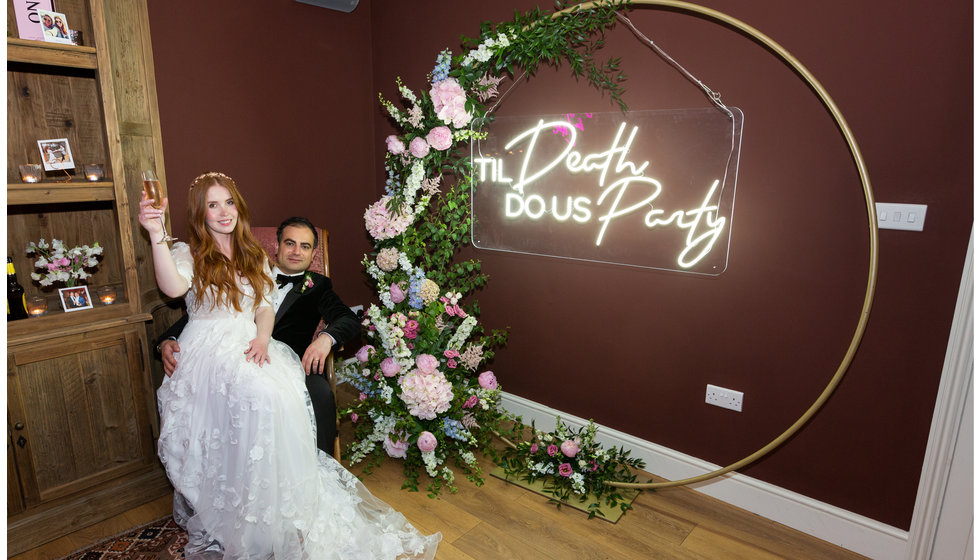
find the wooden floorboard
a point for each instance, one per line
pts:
(500, 520)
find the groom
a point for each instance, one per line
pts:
(300, 300)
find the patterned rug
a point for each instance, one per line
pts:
(162, 539)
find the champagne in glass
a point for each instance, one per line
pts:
(151, 186)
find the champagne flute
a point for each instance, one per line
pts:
(151, 186)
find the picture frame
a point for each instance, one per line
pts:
(75, 298)
(28, 20)
(56, 154)
(54, 27)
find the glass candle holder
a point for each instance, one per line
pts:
(94, 172)
(37, 306)
(31, 172)
(75, 36)
(107, 295)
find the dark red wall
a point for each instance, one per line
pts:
(297, 89)
(278, 95)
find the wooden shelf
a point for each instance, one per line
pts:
(52, 54)
(58, 323)
(52, 193)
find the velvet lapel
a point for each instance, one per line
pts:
(293, 296)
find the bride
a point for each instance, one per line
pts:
(237, 435)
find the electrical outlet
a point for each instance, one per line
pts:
(725, 398)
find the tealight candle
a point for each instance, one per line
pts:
(37, 306)
(31, 173)
(107, 295)
(94, 171)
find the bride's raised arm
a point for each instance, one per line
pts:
(169, 280)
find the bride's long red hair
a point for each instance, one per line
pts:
(212, 269)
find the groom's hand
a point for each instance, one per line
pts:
(317, 353)
(168, 349)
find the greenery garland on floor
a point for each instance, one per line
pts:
(422, 396)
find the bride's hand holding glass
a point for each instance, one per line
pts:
(151, 218)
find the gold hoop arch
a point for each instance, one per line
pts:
(872, 228)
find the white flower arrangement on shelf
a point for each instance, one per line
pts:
(63, 265)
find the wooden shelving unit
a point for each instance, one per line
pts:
(81, 410)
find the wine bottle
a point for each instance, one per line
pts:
(16, 304)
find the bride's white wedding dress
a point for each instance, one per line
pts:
(238, 443)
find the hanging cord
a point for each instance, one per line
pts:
(712, 94)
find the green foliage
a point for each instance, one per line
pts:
(420, 226)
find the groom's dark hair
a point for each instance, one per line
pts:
(297, 221)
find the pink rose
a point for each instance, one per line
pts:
(427, 442)
(397, 293)
(362, 397)
(487, 380)
(397, 449)
(534, 448)
(419, 147)
(451, 363)
(565, 469)
(390, 367)
(353, 417)
(440, 138)
(471, 402)
(552, 450)
(569, 448)
(459, 312)
(427, 363)
(365, 353)
(395, 145)
(451, 353)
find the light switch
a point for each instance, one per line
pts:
(909, 217)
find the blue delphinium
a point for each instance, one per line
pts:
(441, 71)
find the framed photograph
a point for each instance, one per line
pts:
(56, 154)
(75, 298)
(54, 26)
(28, 20)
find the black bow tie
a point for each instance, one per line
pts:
(282, 279)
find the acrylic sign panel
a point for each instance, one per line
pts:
(652, 189)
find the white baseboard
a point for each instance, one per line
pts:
(826, 522)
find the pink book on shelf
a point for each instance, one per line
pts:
(28, 23)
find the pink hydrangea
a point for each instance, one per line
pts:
(449, 101)
(427, 442)
(565, 469)
(427, 363)
(395, 145)
(569, 448)
(487, 380)
(419, 147)
(426, 395)
(397, 293)
(364, 353)
(381, 224)
(397, 449)
(390, 367)
(387, 259)
(440, 138)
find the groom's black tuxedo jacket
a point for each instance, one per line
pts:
(300, 313)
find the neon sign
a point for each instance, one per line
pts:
(652, 189)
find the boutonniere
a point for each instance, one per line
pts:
(307, 282)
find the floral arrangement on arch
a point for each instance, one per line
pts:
(425, 395)
(61, 264)
(572, 466)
